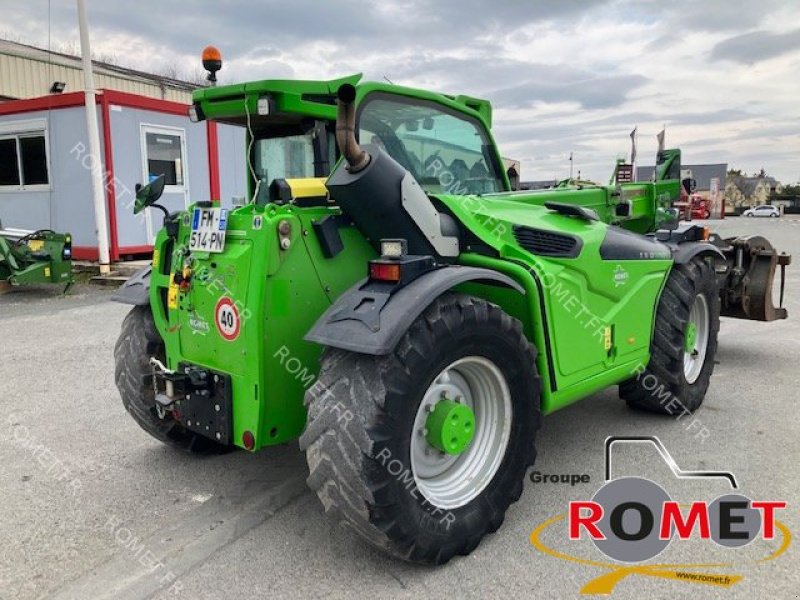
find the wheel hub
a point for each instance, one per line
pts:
(454, 460)
(451, 426)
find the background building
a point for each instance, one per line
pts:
(742, 192)
(30, 72)
(45, 169)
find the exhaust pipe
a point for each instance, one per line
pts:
(355, 156)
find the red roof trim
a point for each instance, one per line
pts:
(146, 103)
(72, 99)
(67, 100)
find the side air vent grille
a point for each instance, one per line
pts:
(547, 243)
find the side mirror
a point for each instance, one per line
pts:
(670, 218)
(147, 195)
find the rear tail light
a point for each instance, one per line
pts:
(400, 271)
(385, 271)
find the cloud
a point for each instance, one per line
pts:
(753, 47)
(562, 75)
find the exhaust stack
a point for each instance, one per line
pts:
(355, 156)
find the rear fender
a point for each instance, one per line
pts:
(683, 253)
(371, 320)
(136, 290)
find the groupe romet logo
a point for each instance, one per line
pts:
(632, 520)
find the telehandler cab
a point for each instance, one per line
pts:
(385, 297)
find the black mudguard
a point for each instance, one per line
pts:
(683, 253)
(371, 319)
(136, 290)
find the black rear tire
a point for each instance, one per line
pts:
(662, 387)
(360, 467)
(138, 342)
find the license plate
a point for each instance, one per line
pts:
(208, 229)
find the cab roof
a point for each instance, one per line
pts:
(292, 100)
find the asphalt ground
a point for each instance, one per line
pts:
(94, 508)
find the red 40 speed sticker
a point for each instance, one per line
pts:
(227, 318)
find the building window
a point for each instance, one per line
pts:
(23, 160)
(164, 155)
(9, 164)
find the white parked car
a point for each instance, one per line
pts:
(765, 210)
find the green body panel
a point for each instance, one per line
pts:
(581, 296)
(314, 98)
(279, 294)
(649, 201)
(590, 319)
(231, 103)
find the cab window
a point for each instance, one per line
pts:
(445, 151)
(292, 152)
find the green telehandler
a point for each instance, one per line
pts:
(388, 300)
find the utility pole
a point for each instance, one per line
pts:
(98, 192)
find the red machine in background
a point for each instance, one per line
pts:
(691, 204)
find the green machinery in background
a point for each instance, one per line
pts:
(41, 256)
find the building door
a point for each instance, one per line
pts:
(164, 153)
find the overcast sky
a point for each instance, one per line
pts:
(563, 75)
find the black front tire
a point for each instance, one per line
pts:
(137, 343)
(662, 387)
(361, 418)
